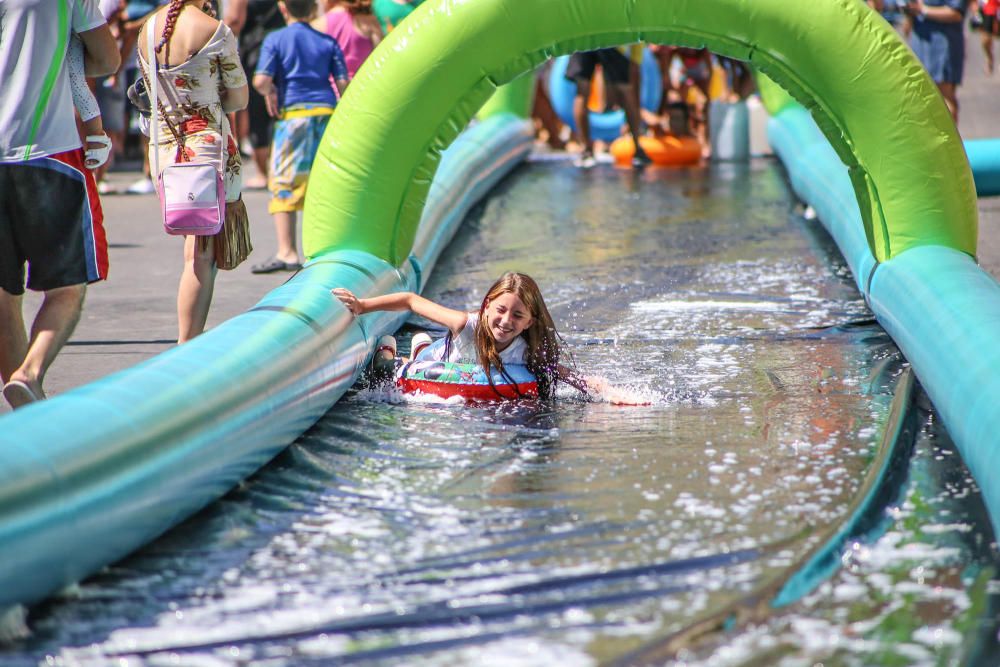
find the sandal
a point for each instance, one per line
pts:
(19, 394)
(96, 157)
(275, 264)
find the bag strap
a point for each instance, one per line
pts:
(157, 104)
(154, 125)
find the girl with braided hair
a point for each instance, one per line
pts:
(200, 81)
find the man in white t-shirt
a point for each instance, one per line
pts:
(47, 219)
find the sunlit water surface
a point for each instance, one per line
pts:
(576, 532)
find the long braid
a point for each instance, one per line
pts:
(168, 29)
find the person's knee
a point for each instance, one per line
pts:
(199, 255)
(71, 295)
(203, 264)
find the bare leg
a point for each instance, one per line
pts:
(262, 159)
(701, 110)
(546, 116)
(950, 93)
(53, 325)
(194, 295)
(581, 116)
(284, 226)
(13, 339)
(987, 41)
(630, 102)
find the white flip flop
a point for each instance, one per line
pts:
(97, 156)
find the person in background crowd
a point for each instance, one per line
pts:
(938, 40)
(251, 21)
(136, 13)
(110, 93)
(355, 28)
(616, 68)
(293, 75)
(203, 83)
(690, 87)
(50, 219)
(985, 21)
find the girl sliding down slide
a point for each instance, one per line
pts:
(512, 326)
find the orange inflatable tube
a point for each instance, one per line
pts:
(667, 150)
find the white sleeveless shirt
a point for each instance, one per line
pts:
(463, 347)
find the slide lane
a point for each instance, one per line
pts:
(939, 306)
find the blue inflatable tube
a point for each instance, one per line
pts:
(90, 475)
(939, 306)
(984, 158)
(605, 126)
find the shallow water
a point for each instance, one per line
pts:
(401, 531)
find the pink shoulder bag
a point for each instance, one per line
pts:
(192, 194)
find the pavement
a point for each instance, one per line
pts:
(132, 316)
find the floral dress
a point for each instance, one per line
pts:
(189, 94)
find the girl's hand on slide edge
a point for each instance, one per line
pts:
(351, 302)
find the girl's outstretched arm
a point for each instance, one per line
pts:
(573, 379)
(453, 319)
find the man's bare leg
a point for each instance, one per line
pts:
(13, 339)
(53, 325)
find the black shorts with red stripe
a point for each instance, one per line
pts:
(50, 219)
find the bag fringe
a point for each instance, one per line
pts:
(232, 244)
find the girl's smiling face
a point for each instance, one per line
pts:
(507, 317)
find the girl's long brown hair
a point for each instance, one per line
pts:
(542, 356)
(357, 6)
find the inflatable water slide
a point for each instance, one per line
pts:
(93, 474)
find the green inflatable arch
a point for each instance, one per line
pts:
(866, 91)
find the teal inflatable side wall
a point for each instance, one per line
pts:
(89, 476)
(941, 309)
(984, 158)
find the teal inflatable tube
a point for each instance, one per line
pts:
(93, 474)
(984, 158)
(941, 309)
(819, 177)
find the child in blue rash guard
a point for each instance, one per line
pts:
(293, 75)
